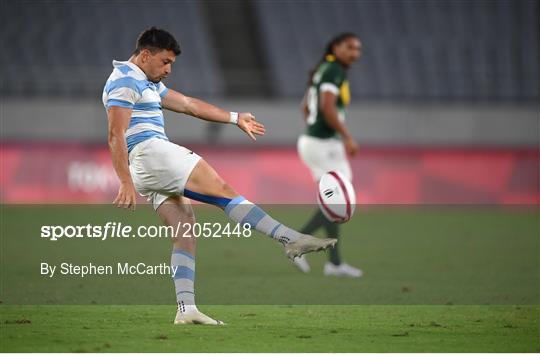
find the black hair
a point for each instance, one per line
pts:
(329, 50)
(335, 41)
(156, 39)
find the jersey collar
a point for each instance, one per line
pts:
(133, 66)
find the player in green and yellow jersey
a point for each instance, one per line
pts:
(327, 143)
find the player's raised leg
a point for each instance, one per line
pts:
(177, 212)
(205, 185)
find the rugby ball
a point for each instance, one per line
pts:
(336, 198)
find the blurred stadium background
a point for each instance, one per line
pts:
(445, 101)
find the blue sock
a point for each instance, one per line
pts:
(184, 278)
(243, 211)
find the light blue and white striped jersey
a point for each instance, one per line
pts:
(129, 87)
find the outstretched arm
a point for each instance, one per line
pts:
(177, 102)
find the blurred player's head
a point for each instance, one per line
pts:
(155, 52)
(345, 48)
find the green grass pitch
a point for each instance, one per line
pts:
(437, 279)
(273, 328)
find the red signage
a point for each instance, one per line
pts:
(71, 173)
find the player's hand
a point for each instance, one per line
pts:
(247, 122)
(351, 146)
(126, 197)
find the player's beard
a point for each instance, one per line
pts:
(156, 80)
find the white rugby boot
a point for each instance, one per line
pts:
(302, 264)
(306, 244)
(192, 315)
(342, 270)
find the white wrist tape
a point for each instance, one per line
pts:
(234, 118)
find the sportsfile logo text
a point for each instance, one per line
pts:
(113, 229)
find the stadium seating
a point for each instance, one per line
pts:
(413, 50)
(457, 50)
(66, 47)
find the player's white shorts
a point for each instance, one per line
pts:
(323, 155)
(160, 169)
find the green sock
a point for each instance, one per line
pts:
(332, 231)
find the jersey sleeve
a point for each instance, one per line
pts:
(331, 79)
(162, 90)
(124, 92)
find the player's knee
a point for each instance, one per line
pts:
(228, 191)
(223, 188)
(187, 215)
(190, 218)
